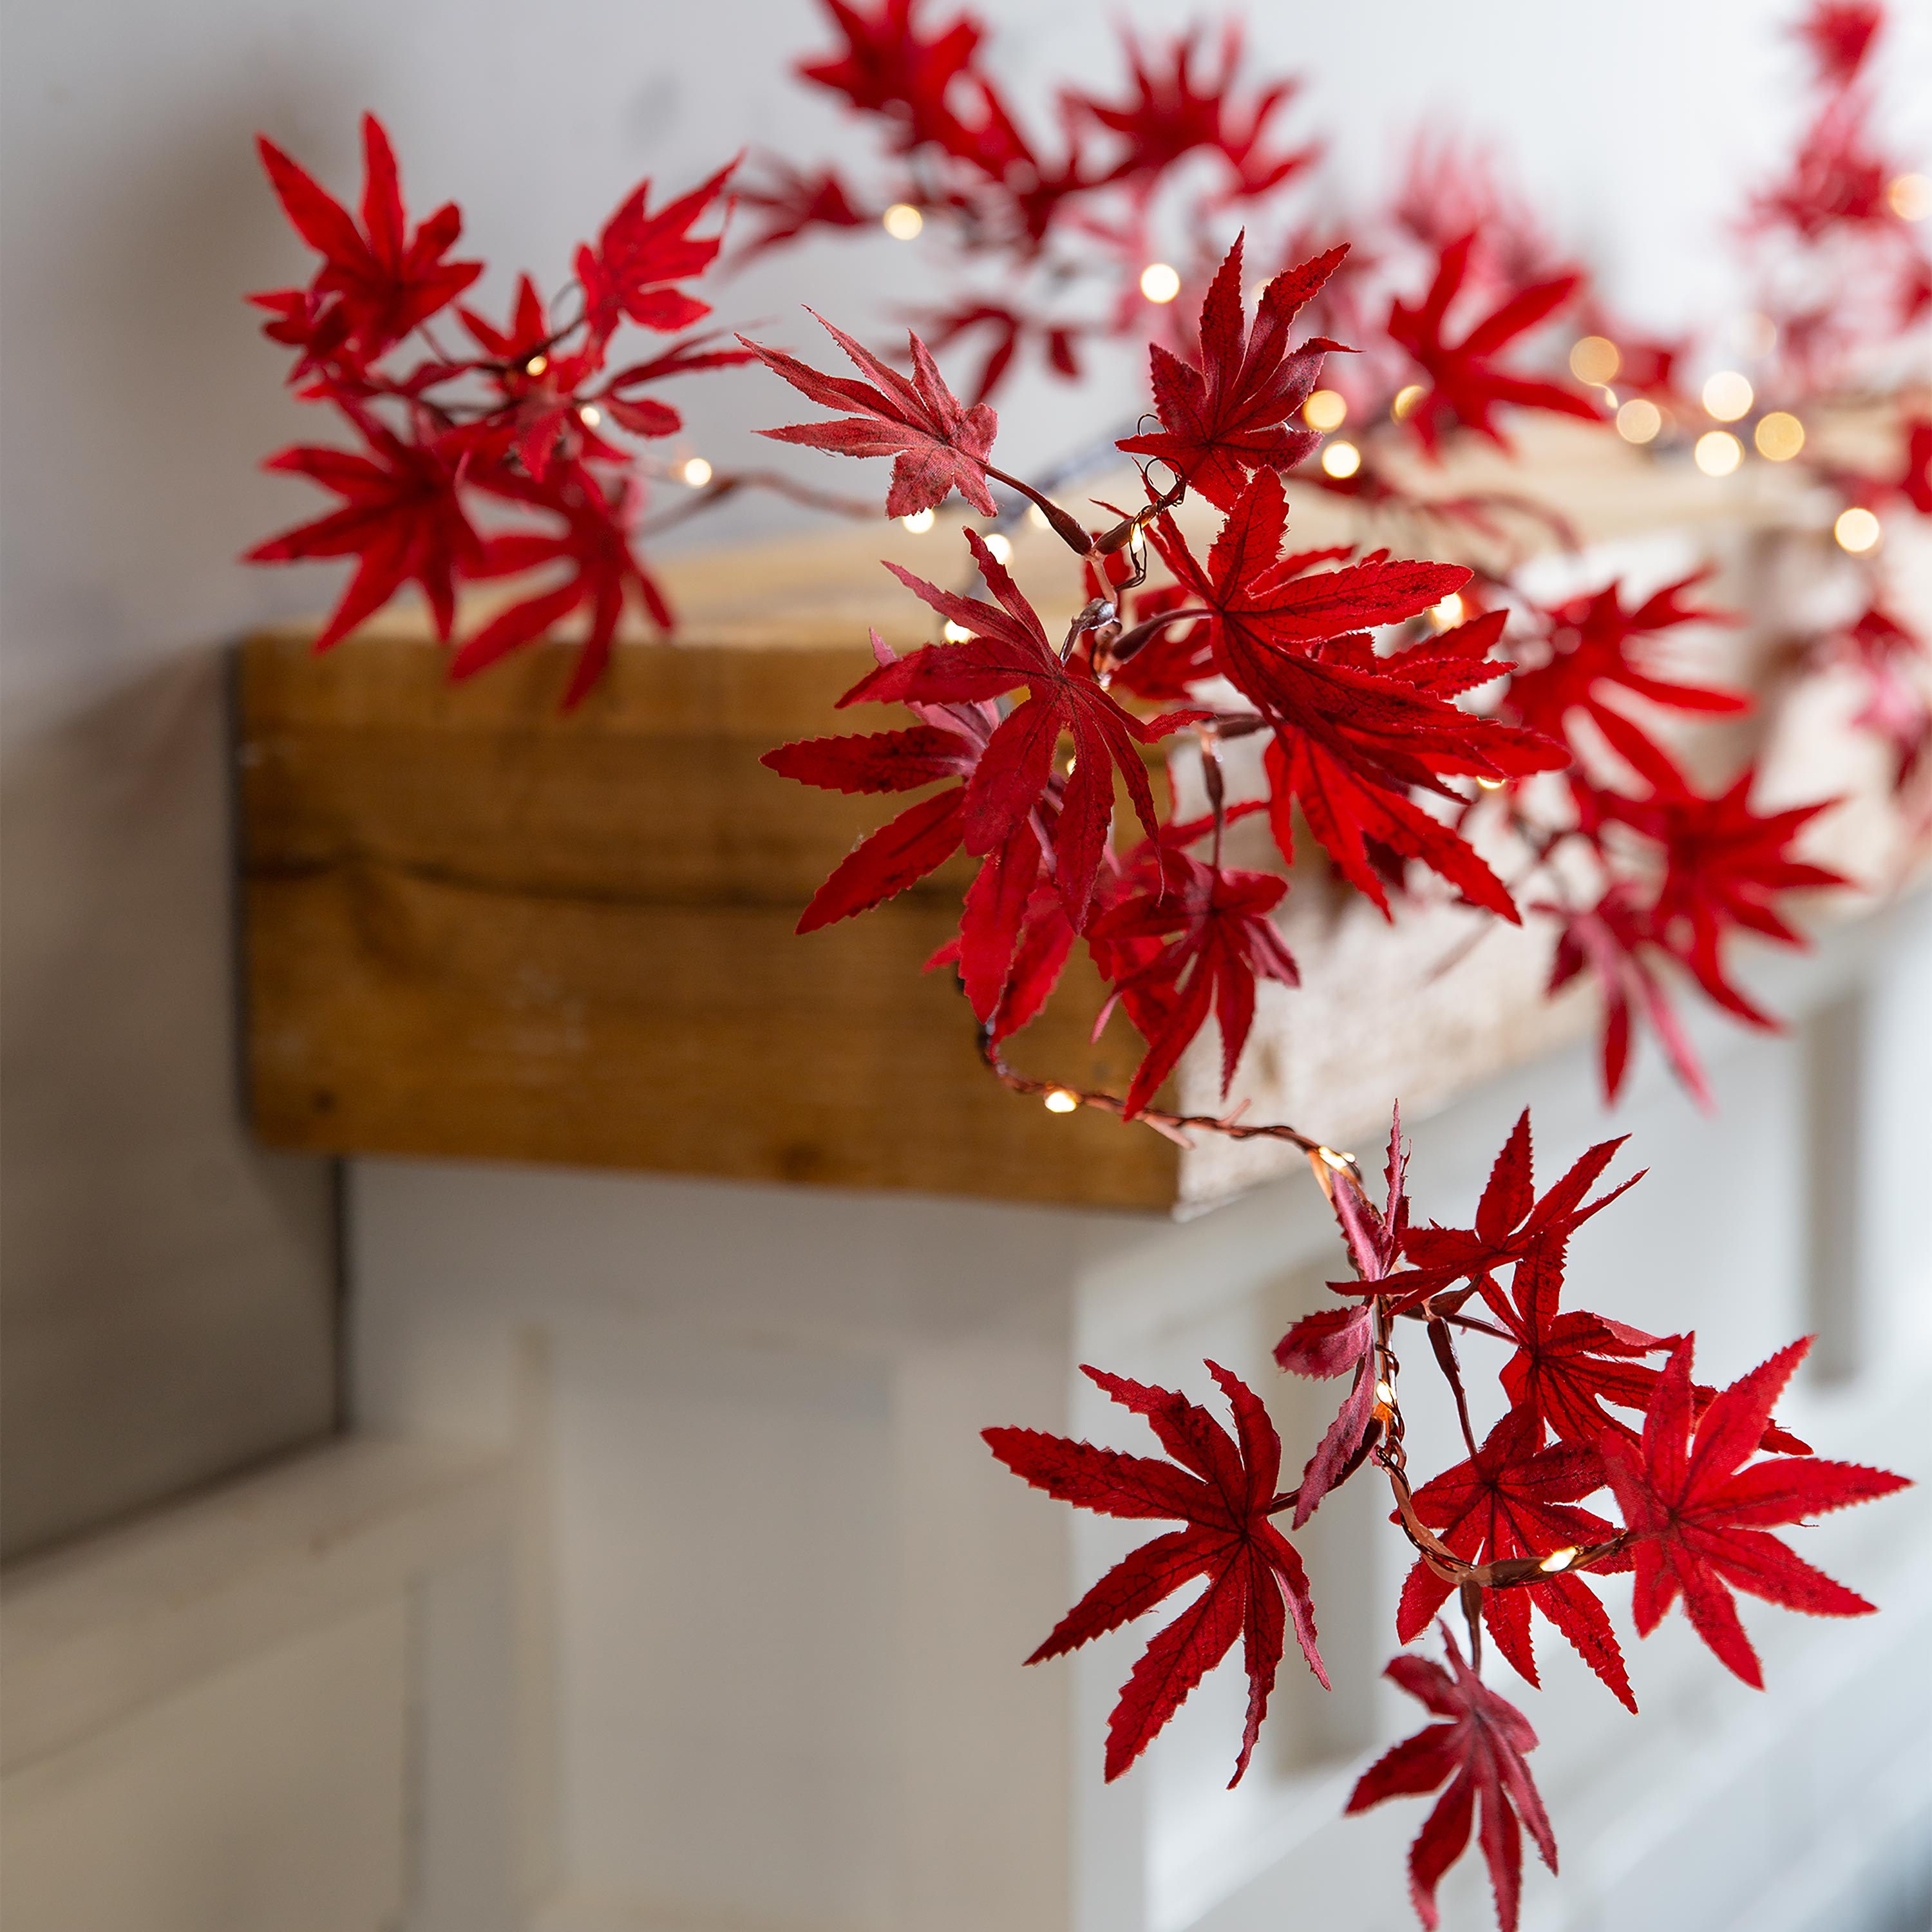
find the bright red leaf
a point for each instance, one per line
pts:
(378, 281)
(1218, 941)
(1223, 1488)
(641, 256)
(401, 517)
(1477, 1753)
(1514, 1498)
(1239, 410)
(1466, 383)
(1007, 647)
(1697, 1515)
(937, 445)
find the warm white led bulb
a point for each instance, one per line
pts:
(920, 521)
(697, 472)
(902, 221)
(1159, 282)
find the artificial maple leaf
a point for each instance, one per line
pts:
(937, 445)
(1513, 1499)
(947, 742)
(1007, 647)
(543, 414)
(1613, 940)
(1839, 34)
(639, 256)
(1724, 866)
(1595, 647)
(1891, 661)
(1465, 383)
(1239, 411)
(1511, 1220)
(892, 67)
(1477, 1753)
(1222, 941)
(1353, 732)
(595, 543)
(380, 281)
(402, 517)
(1172, 113)
(1223, 1488)
(1697, 1516)
(794, 202)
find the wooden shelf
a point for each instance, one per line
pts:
(477, 927)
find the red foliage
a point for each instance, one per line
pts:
(1476, 1753)
(1697, 1515)
(1223, 1488)
(1465, 382)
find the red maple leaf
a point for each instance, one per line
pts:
(1172, 113)
(947, 742)
(604, 571)
(1354, 732)
(1891, 661)
(1232, 415)
(401, 517)
(543, 417)
(937, 445)
(1007, 647)
(1224, 1490)
(378, 281)
(1465, 382)
(892, 68)
(1596, 647)
(1839, 34)
(1222, 941)
(639, 256)
(1697, 1516)
(1724, 866)
(1477, 1753)
(793, 202)
(1613, 940)
(1511, 1220)
(1513, 1499)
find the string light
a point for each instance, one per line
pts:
(1327, 409)
(590, 415)
(1857, 530)
(1727, 395)
(1340, 1162)
(1911, 197)
(1780, 436)
(1341, 459)
(697, 472)
(1557, 1559)
(1718, 452)
(1037, 516)
(1595, 360)
(920, 522)
(1060, 1101)
(1385, 1395)
(902, 221)
(1449, 611)
(1492, 785)
(1638, 420)
(998, 547)
(536, 365)
(1403, 407)
(1159, 282)
(956, 634)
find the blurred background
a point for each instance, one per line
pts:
(684, 1600)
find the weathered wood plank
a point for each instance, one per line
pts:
(478, 927)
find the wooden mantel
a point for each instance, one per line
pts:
(477, 927)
